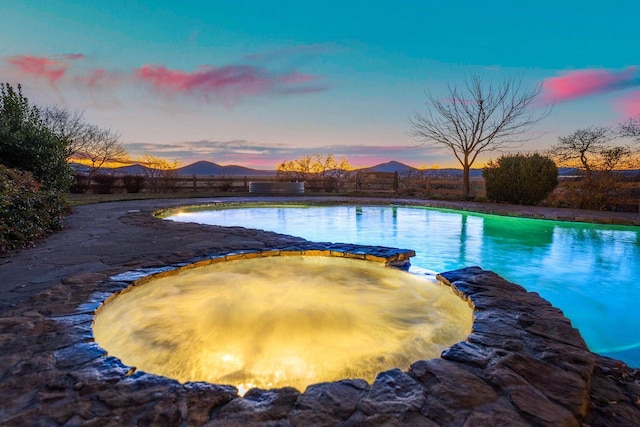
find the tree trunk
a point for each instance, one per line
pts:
(465, 179)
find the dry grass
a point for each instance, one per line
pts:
(76, 199)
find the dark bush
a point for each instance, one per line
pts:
(104, 184)
(81, 183)
(27, 211)
(133, 183)
(525, 179)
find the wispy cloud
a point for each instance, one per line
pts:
(230, 82)
(40, 67)
(209, 83)
(583, 83)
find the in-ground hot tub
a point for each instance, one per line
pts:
(275, 321)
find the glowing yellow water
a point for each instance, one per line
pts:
(282, 321)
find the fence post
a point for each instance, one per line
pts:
(246, 185)
(195, 186)
(395, 183)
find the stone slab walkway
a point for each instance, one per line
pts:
(52, 374)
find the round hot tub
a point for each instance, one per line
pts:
(280, 321)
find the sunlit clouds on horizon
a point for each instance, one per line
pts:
(166, 88)
(268, 157)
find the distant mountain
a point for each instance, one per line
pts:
(568, 171)
(391, 166)
(452, 172)
(209, 168)
(401, 168)
(136, 169)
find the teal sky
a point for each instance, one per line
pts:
(258, 82)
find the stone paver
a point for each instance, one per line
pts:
(523, 364)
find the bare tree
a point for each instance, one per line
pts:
(597, 155)
(631, 128)
(592, 150)
(86, 142)
(481, 116)
(102, 146)
(161, 174)
(65, 124)
(317, 171)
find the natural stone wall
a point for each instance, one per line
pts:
(523, 364)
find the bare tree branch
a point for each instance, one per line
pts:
(85, 141)
(592, 149)
(484, 117)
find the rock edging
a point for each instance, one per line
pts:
(522, 364)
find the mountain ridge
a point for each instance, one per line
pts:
(205, 167)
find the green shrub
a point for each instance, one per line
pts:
(525, 179)
(27, 144)
(27, 210)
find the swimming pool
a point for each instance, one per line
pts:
(589, 271)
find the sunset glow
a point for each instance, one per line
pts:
(233, 84)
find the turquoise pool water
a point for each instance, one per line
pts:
(589, 271)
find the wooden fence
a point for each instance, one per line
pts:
(358, 183)
(623, 196)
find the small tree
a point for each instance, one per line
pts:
(591, 150)
(160, 173)
(86, 142)
(317, 171)
(631, 128)
(525, 179)
(479, 117)
(596, 154)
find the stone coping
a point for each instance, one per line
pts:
(501, 209)
(523, 363)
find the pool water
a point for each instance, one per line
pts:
(274, 321)
(589, 271)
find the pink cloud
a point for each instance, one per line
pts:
(630, 104)
(207, 79)
(588, 82)
(40, 66)
(236, 80)
(227, 83)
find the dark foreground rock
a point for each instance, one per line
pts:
(523, 363)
